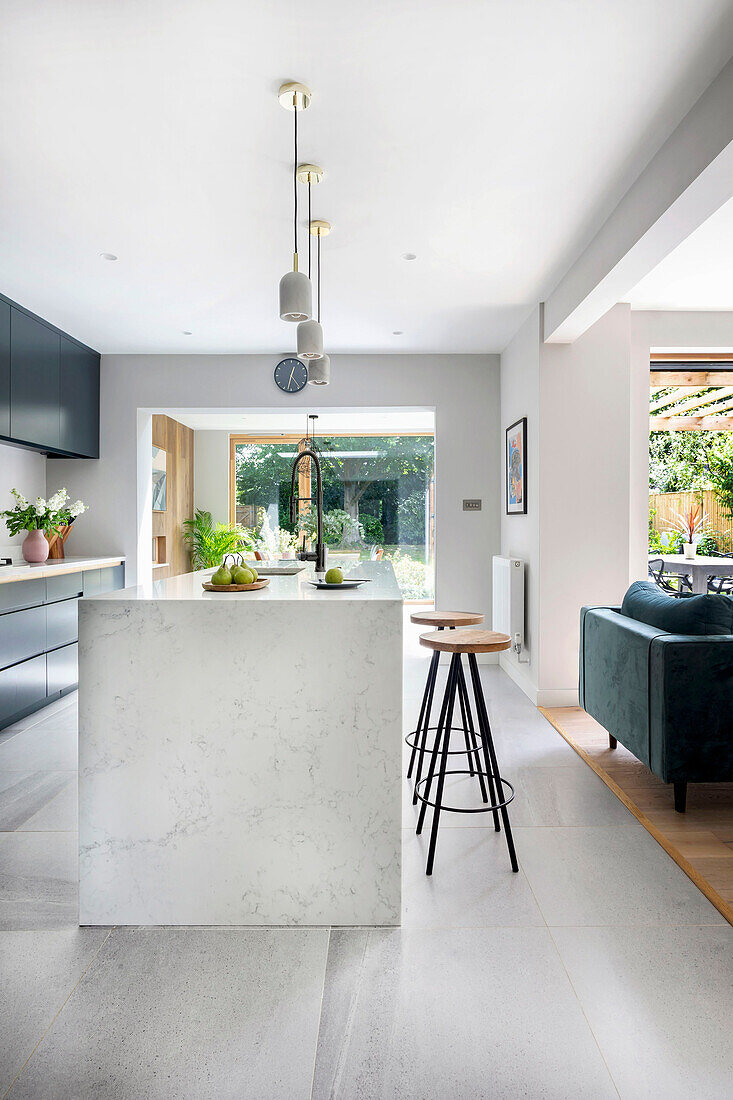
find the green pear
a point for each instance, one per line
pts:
(334, 576)
(242, 575)
(222, 576)
(253, 571)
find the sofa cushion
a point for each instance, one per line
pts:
(646, 603)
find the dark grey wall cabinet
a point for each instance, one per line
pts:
(22, 689)
(79, 399)
(34, 381)
(62, 669)
(39, 629)
(49, 386)
(4, 368)
(62, 623)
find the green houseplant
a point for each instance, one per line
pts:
(209, 542)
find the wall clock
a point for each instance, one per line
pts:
(291, 375)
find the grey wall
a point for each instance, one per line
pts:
(26, 472)
(463, 390)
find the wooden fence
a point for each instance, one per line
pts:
(670, 505)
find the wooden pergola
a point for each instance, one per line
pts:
(692, 399)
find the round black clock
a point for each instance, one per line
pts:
(291, 375)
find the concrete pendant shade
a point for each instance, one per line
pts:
(319, 371)
(296, 297)
(310, 340)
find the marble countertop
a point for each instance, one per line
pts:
(382, 586)
(23, 571)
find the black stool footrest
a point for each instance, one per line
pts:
(430, 749)
(485, 808)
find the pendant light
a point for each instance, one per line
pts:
(310, 333)
(319, 370)
(296, 292)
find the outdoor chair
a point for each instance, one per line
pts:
(720, 586)
(665, 580)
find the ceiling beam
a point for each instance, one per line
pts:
(681, 403)
(690, 423)
(694, 379)
(684, 183)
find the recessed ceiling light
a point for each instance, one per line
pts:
(107, 256)
(397, 332)
(187, 333)
(409, 256)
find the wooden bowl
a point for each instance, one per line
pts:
(260, 583)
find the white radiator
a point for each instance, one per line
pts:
(508, 601)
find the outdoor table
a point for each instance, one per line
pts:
(698, 568)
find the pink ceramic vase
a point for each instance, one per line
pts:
(35, 547)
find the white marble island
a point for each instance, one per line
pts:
(239, 754)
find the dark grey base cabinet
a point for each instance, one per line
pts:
(49, 386)
(38, 637)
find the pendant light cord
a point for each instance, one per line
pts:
(318, 253)
(309, 225)
(295, 175)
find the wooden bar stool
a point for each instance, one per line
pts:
(457, 643)
(417, 738)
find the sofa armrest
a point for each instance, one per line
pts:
(614, 673)
(691, 707)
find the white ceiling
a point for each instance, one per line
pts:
(698, 274)
(489, 137)
(285, 422)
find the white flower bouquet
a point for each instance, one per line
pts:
(42, 515)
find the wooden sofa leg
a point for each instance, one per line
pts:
(612, 742)
(680, 797)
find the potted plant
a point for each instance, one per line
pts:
(692, 525)
(210, 542)
(40, 521)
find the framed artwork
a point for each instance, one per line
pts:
(516, 468)
(159, 480)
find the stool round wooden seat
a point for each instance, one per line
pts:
(479, 743)
(450, 619)
(467, 641)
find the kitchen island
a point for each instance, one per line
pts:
(239, 753)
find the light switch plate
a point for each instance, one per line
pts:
(472, 506)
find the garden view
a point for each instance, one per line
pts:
(377, 501)
(690, 488)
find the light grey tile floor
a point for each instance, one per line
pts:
(660, 1003)
(598, 970)
(188, 1013)
(451, 1013)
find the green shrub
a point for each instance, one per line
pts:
(412, 576)
(373, 530)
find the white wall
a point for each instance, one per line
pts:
(211, 474)
(520, 534)
(584, 490)
(463, 390)
(26, 472)
(582, 461)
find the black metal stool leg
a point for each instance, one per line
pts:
(433, 753)
(492, 789)
(474, 762)
(451, 694)
(418, 727)
(432, 679)
(466, 738)
(490, 754)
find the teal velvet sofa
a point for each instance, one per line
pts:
(657, 673)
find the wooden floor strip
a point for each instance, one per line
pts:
(699, 841)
